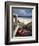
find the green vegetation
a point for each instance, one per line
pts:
(29, 26)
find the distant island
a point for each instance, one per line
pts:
(24, 16)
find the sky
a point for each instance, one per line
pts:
(22, 12)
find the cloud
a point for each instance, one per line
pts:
(23, 12)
